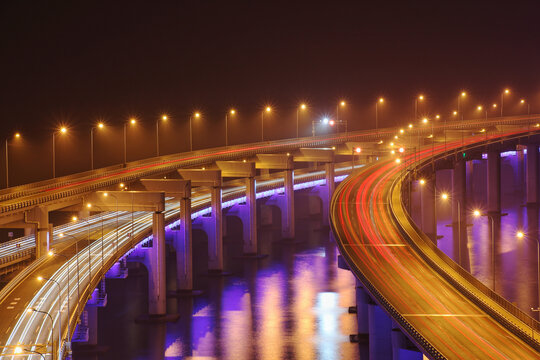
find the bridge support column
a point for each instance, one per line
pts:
(403, 348)
(183, 247)
(212, 226)
(520, 168)
(287, 207)
(532, 174)
(156, 268)
(427, 199)
(459, 183)
(380, 333)
(39, 216)
(494, 182)
(329, 191)
(362, 304)
(469, 173)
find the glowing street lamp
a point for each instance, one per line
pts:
(41, 278)
(416, 100)
(267, 109)
(164, 118)
(523, 102)
(342, 104)
(505, 92)
(99, 125)
(61, 130)
(231, 112)
(302, 107)
(19, 350)
(132, 122)
(380, 101)
(196, 115)
(462, 95)
(15, 136)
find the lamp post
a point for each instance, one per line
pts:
(77, 252)
(196, 115)
(163, 118)
(116, 199)
(301, 107)
(62, 130)
(522, 101)
(16, 136)
(342, 104)
(267, 109)
(231, 112)
(31, 310)
(416, 100)
(505, 92)
(99, 126)
(19, 351)
(68, 292)
(101, 219)
(445, 197)
(380, 101)
(463, 94)
(40, 278)
(132, 121)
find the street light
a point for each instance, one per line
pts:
(163, 118)
(342, 104)
(416, 100)
(380, 101)
(16, 136)
(41, 278)
(196, 115)
(18, 349)
(522, 102)
(231, 112)
(51, 253)
(505, 92)
(445, 197)
(116, 199)
(301, 107)
(267, 109)
(99, 125)
(61, 130)
(132, 121)
(463, 94)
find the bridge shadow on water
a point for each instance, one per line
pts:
(290, 305)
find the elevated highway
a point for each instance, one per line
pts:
(439, 306)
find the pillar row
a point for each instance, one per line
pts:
(494, 182)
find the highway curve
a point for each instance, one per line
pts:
(367, 218)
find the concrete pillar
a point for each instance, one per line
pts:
(532, 174)
(494, 182)
(520, 170)
(329, 191)
(469, 171)
(156, 268)
(39, 217)
(214, 232)
(362, 303)
(92, 324)
(249, 221)
(427, 209)
(459, 181)
(403, 348)
(287, 210)
(183, 247)
(380, 333)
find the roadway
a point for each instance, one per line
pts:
(437, 316)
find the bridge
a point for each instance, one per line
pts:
(139, 207)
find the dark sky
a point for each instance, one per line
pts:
(78, 61)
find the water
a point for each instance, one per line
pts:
(291, 305)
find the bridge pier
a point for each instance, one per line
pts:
(459, 184)
(427, 208)
(532, 174)
(39, 216)
(380, 333)
(494, 182)
(403, 348)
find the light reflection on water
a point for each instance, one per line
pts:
(292, 305)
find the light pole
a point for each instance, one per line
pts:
(445, 197)
(522, 101)
(163, 118)
(301, 107)
(132, 121)
(101, 219)
(19, 351)
(463, 94)
(380, 101)
(196, 115)
(16, 136)
(99, 126)
(231, 112)
(342, 103)
(62, 130)
(77, 252)
(267, 109)
(116, 199)
(68, 292)
(505, 92)
(40, 278)
(31, 310)
(416, 100)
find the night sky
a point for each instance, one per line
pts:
(75, 62)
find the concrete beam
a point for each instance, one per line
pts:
(322, 155)
(171, 187)
(274, 161)
(128, 201)
(237, 169)
(200, 177)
